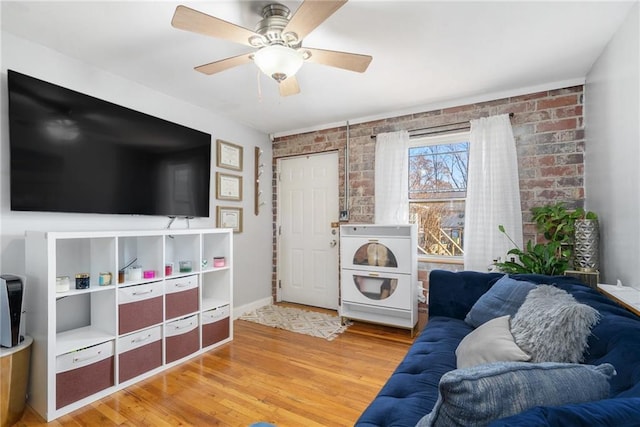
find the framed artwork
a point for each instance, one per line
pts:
(229, 217)
(228, 187)
(228, 155)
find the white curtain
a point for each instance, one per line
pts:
(493, 193)
(392, 178)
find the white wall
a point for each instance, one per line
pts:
(252, 247)
(612, 153)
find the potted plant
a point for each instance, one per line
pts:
(555, 222)
(559, 226)
(542, 258)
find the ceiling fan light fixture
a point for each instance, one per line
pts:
(278, 62)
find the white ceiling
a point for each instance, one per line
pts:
(425, 53)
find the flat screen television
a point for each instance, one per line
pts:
(71, 152)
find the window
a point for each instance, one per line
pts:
(437, 192)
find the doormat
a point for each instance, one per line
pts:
(305, 322)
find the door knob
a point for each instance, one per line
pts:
(333, 243)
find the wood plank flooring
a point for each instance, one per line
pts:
(264, 374)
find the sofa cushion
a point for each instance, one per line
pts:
(621, 412)
(455, 293)
(484, 393)
(505, 297)
(490, 342)
(552, 326)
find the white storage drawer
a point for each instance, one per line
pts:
(180, 284)
(181, 326)
(139, 307)
(181, 296)
(215, 314)
(139, 339)
(87, 356)
(139, 293)
(215, 326)
(139, 352)
(84, 372)
(182, 338)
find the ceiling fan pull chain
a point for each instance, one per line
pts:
(259, 86)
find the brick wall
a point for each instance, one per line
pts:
(549, 132)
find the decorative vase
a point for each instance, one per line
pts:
(586, 245)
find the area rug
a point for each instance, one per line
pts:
(305, 322)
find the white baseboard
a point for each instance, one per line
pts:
(239, 311)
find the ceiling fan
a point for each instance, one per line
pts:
(277, 38)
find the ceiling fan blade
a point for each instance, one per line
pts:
(189, 19)
(309, 15)
(289, 86)
(225, 64)
(344, 60)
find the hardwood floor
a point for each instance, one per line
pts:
(264, 374)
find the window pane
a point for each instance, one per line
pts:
(440, 226)
(438, 171)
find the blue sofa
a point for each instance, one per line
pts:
(412, 390)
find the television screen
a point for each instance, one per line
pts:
(71, 152)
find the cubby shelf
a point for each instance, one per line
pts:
(91, 342)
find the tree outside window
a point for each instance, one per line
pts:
(437, 193)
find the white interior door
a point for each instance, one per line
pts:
(308, 231)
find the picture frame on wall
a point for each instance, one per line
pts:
(229, 217)
(228, 155)
(228, 187)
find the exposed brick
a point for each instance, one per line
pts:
(531, 184)
(515, 107)
(525, 129)
(567, 135)
(527, 162)
(529, 96)
(563, 91)
(546, 161)
(532, 117)
(548, 127)
(560, 101)
(452, 110)
(556, 125)
(529, 228)
(570, 181)
(526, 173)
(427, 114)
(570, 159)
(572, 111)
(553, 195)
(567, 170)
(557, 148)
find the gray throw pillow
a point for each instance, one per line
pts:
(552, 326)
(479, 395)
(504, 297)
(490, 342)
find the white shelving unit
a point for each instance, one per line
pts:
(379, 273)
(91, 342)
